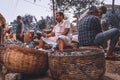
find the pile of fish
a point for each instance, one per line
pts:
(12, 41)
(75, 53)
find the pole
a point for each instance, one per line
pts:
(113, 2)
(53, 2)
(37, 23)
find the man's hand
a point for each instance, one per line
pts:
(65, 32)
(49, 35)
(44, 35)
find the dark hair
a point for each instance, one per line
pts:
(60, 13)
(92, 9)
(19, 17)
(104, 9)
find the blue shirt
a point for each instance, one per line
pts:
(88, 27)
(111, 19)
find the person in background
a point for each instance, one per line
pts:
(59, 35)
(101, 10)
(90, 33)
(20, 29)
(2, 26)
(7, 31)
(28, 37)
(31, 35)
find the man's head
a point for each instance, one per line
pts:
(31, 33)
(93, 10)
(59, 16)
(19, 18)
(102, 10)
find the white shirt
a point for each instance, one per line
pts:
(58, 30)
(60, 27)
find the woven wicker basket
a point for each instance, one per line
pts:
(25, 60)
(82, 64)
(2, 50)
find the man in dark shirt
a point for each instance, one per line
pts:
(110, 20)
(20, 29)
(89, 27)
(90, 32)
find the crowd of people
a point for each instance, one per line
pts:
(90, 32)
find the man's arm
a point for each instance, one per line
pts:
(50, 34)
(67, 28)
(65, 32)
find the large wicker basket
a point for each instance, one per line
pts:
(25, 60)
(82, 64)
(2, 49)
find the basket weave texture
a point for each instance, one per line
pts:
(25, 60)
(82, 64)
(2, 49)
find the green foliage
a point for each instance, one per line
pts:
(76, 6)
(42, 23)
(27, 19)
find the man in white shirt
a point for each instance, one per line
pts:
(60, 34)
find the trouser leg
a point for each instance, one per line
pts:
(112, 35)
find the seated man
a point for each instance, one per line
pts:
(90, 32)
(59, 34)
(28, 37)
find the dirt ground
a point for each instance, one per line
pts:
(112, 70)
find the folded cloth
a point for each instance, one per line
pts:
(53, 40)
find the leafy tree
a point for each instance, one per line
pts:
(45, 22)
(42, 23)
(73, 6)
(76, 6)
(27, 19)
(28, 23)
